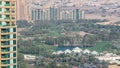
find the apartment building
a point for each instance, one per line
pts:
(8, 34)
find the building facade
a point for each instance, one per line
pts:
(23, 9)
(8, 34)
(54, 13)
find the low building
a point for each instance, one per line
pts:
(29, 57)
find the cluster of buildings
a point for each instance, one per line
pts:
(42, 10)
(76, 50)
(56, 13)
(8, 34)
(111, 58)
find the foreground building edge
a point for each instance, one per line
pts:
(8, 34)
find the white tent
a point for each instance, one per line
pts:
(54, 53)
(94, 53)
(118, 62)
(67, 51)
(86, 51)
(113, 61)
(77, 50)
(109, 54)
(60, 52)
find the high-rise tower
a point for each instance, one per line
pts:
(8, 34)
(23, 8)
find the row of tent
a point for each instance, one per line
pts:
(76, 50)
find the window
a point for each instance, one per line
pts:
(7, 15)
(4, 43)
(6, 67)
(0, 16)
(14, 60)
(14, 29)
(14, 54)
(5, 55)
(14, 48)
(14, 66)
(8, 23)
(0, 22)
(4, 30)
(14, 41)
(0, 2)
(13, 23)
(5, 61)
(8, 29)
(13, 10)
(13, 3)
(14, 35)
(0, 9)
(7, 10)
(7, 2)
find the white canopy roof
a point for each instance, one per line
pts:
(77, 50)
(54, 53)
(109, 54)
(67, 51)
(94, 53)
(60, 52)
(86, 51)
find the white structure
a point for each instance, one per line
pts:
(114, 62)
(60, 52)
(77, 50)
(110, 54)
(86, 51)
(110, 57)
(94, 53)
(29, 57)
(67, 51)
(54, 53)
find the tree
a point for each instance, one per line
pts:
(89, 40)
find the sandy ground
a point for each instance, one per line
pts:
(114, 66)
(96, 16)
(82, 33)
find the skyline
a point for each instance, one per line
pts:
(59, 33)
(91, 8)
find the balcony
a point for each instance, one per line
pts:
(5, 37)
(13, 11)
(0, 23)
(5, 25)
(7, 18)
(13, 4)
(7, 4)
(5, 43)
(13, 24)
(5, 50)
(5, 31)
(5, 62)
(5, 56)
(0, 2)
(8, 24)
(7, 11)
(13, 18)
(0, 9)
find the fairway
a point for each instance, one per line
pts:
(100, 46)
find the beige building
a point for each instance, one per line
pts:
(23, 10)
(8, 34)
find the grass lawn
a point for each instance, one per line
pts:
(101, 46)
(53, 33)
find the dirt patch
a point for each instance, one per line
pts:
(113, 66)
(111, 19)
